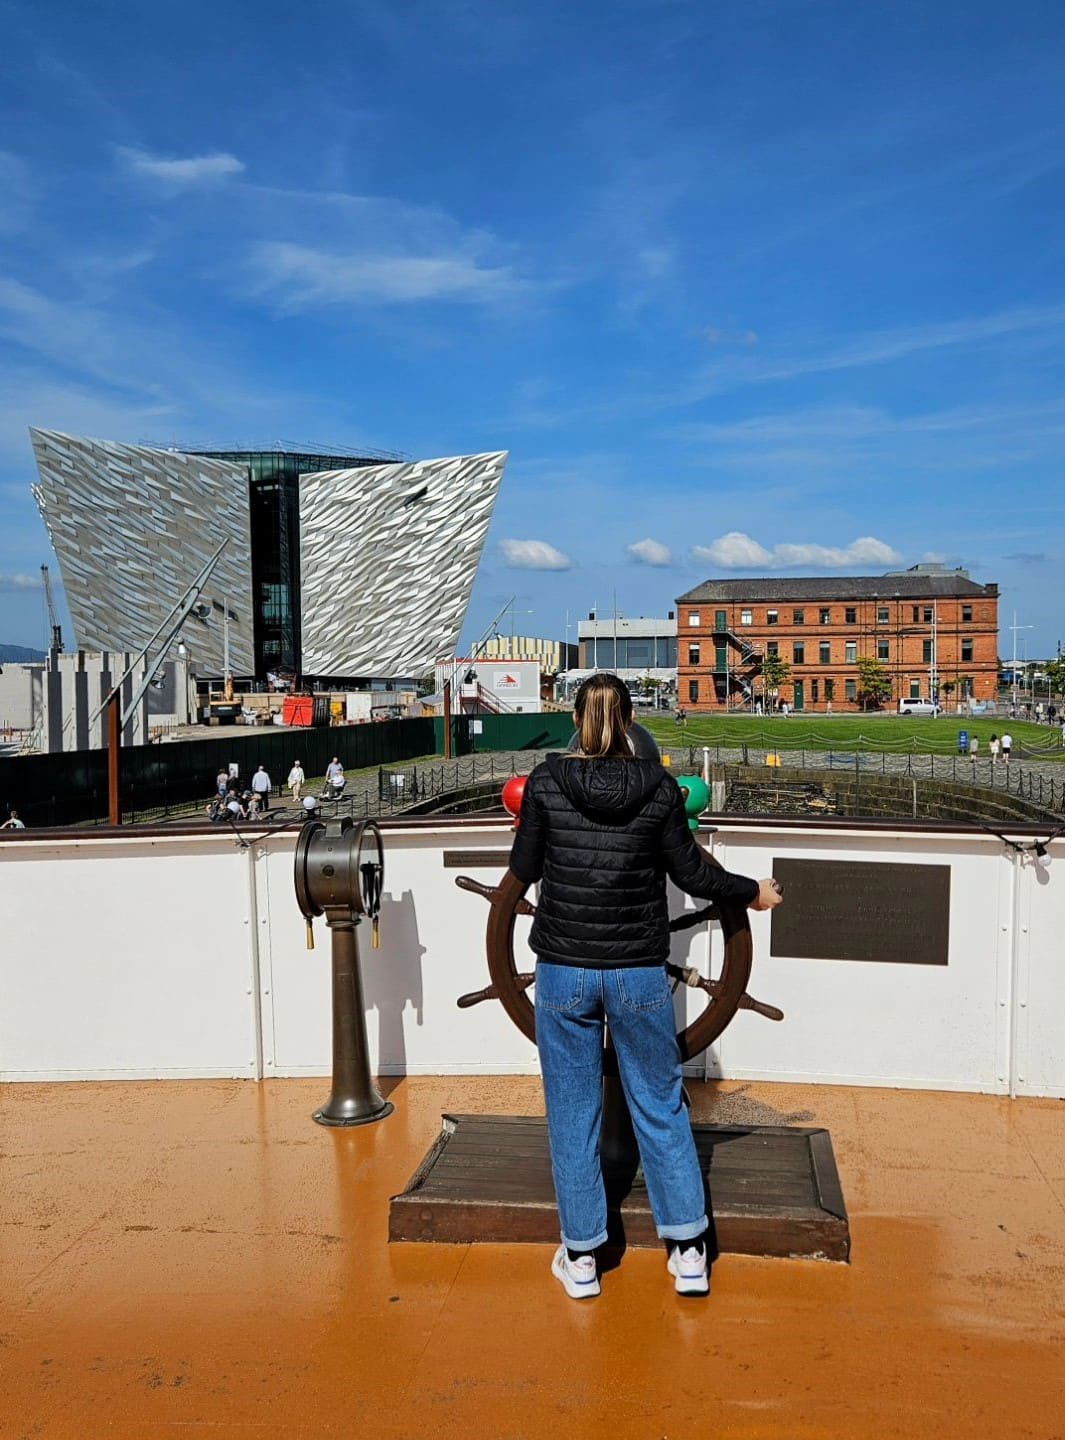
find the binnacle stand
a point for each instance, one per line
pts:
(339, 873)
(487, 1178)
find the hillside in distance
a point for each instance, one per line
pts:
(18, 654)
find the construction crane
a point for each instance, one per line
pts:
(57, 633)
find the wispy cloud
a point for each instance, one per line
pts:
(1028, 557)
(737, 551)
(650, 552)
(13, 582)
(17, 193)
(301, 276)
(715, 336)
(878, 347)
(182, 173)
(534, 555)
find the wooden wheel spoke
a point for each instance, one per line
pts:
(728, 993)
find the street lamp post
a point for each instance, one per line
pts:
(1013, 672)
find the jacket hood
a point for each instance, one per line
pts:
(609, 791)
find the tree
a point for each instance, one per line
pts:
(874, 682)
(1055, 673)
(775, 672)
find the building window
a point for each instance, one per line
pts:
(926, 615)
(693, 692)
(852, 652)
(693, 654)
(926, 651)
(825, 617)
(916, 617)
(883, 615)
(798, 653)
(966, 614)
(693, 617)
(772, 649)
(915, 689)
(967, 649)
(850, 616)
(883, 649)
(746, 617)
(798, 617)
(771, 617)
(815, 690)
(824, 652)
(830, 691)
(850, 689)
(720, 620)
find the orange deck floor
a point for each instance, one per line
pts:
(198, 1259)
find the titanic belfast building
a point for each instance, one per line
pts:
(336, 567)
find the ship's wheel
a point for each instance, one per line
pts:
(727, 992)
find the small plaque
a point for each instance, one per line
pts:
(896, 914)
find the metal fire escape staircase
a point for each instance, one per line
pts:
(741, 668)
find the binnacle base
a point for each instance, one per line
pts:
(774, 1190)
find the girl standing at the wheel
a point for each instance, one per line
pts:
(601, 830)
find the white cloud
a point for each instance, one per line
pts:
(534, 555)
(734, 551)
(650, 552)
(302, 276)
(933, 557)
(737, 551)
(19, 582)
(195, 170)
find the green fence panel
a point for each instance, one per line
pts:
(484, 733)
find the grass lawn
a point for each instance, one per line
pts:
(896, 734)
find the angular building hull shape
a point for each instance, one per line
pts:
(388, 556)
(132, 527)
(336, 566)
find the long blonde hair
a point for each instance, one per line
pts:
(603, 708)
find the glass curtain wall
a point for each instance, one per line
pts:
(274, 502)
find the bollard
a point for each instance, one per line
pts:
(333, 878)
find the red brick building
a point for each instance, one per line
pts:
(934, 631)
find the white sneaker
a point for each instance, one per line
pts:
(689, 1269)
(578, 1277)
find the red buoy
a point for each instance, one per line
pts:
(513, 790)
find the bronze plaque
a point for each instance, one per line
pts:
(898, 914)
(476, 859)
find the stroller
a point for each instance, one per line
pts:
(334, 787)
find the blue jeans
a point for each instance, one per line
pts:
(572, 1003)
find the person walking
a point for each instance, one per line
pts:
(600, 829)
(260, 784)
(296, 779)
(1007, 745)
(995, 746)
(221, 781)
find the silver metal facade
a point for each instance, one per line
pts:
(388, 556)
(131, 527)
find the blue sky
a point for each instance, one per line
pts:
(771, 286)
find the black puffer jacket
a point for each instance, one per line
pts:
(601, 836)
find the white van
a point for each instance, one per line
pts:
(918, 707)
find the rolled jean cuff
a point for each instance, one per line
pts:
(691, 1231)
(585, 1245)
